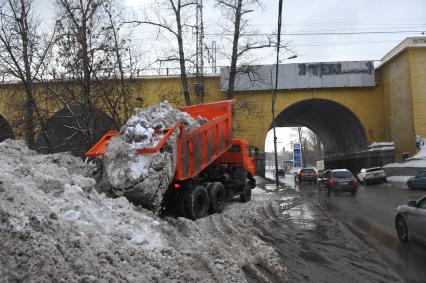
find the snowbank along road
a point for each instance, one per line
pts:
(54, 226)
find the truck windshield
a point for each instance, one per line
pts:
(235, 148)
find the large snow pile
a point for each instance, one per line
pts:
(416, 161)
(54, 226)
(381, 146)
(144, 179)
(421, 155)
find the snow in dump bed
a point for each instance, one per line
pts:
(140, 129)
(143, 179)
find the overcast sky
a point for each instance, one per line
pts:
(307, 18)
(395, 19)
(316, 30)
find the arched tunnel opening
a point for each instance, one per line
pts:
(74, 129)
(6, 131)
(335, 129)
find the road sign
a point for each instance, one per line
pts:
(297, 155)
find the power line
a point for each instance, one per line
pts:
(322, 33)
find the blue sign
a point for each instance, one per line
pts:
(297, 155)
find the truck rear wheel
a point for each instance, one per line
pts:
(246, 195)
(217, 197)
(197, 202)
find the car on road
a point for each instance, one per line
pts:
(370, 175)
(306, 175)
(322, 180)
(338, 180)
(279, 172)
(418, 181)
(410, 220)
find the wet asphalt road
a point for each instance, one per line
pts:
(370, 216)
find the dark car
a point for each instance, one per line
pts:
(338, 180)
(410, 220)
(417, 182)
(279, 172)
(322, 180)
(306, 175)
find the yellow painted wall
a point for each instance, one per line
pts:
(365, 103)
(418, 88)
(396, 81)
(385, 111)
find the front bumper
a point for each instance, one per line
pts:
(308, 179)
(345, 188)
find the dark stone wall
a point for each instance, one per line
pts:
(69, 130)
(357, 160)
(260, 165)
(5, 130)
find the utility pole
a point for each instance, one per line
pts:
(211, 55)
(199, 60)
(274, 92)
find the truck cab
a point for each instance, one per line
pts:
(240, 154)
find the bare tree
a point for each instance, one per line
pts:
(303, 141)
(311, 145)
(243, 39)
(23, 53)
(315, 144)
(161, 19)
(120, 65)
(92, 66)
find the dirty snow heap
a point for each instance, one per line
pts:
(144, 179)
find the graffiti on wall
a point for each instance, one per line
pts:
(303, 76)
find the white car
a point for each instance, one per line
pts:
(410, 220)
(369, 175)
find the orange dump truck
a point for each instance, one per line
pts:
(212, 166)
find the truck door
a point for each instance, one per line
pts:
(250, 157)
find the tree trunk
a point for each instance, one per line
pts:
(234, 56)
(85, 64)
(29, 99)
(183, 75)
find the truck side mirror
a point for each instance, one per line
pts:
(412, 203)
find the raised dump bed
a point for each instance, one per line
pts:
(197, 148)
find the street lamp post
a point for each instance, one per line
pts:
(274, 94)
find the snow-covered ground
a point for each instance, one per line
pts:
(54, 226)
(418, 160)
(398, 181)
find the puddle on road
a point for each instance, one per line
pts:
(313, 257)
(301, 215)
(384, 238)
(293, 206)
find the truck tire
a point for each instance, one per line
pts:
(246, 195)
(217, 197)
(197, 202)
(252, 181)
